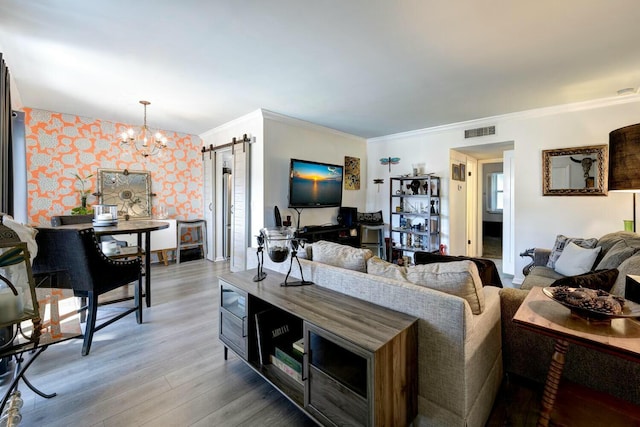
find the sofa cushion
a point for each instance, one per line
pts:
(562, 241)
(620, 251)
(575, 260)
(458, 278)
(380, 267)
(603, 279)
(341, 255)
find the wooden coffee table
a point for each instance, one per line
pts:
(540, 314)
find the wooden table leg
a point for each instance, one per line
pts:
(552, 384)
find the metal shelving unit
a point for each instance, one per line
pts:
(415, 214)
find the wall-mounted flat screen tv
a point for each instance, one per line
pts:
(314, 184)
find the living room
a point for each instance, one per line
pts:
(61, 141)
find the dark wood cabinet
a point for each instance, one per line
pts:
(359, 361)
(331, 233)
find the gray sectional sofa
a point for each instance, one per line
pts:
(584, 366)
(460, 363)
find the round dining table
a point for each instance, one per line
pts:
(139, 227)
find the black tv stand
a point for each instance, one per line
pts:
(331, 233)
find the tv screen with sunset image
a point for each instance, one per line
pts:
(314, 184)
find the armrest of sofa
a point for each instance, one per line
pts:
(539, 257)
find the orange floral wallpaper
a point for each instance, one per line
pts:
(61, 145)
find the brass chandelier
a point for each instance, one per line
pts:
(144, 142)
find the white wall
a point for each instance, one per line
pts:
(288, 138)
(252, 125)
(278, 139)
(538, 219)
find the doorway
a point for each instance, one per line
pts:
(492, 178)
(490, 221)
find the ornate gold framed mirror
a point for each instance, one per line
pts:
(577, 171)
(129, 190)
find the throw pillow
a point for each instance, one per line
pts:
(341, 256)
(25, 233)
(602, 279)
(575, 260)
(379, 267)
(618, 253)
(458, 278)
(561, 243)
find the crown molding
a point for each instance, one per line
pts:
(254, 115)
(520, 115)
(277, 117)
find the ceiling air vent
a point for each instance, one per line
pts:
(473, 133)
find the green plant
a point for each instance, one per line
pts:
(84, 192)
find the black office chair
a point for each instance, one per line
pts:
(88, 271)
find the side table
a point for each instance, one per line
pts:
(540, 314)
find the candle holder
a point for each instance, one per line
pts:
(18, 300)
(279, 242)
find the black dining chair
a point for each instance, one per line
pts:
(58, 220)
(88, 271)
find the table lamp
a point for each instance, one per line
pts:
(624, 162)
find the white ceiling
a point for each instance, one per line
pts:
(366, 67)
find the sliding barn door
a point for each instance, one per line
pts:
(240, 206)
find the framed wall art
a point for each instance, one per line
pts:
(455, 171)
(577, 171)
(351, 173)
(129, 190)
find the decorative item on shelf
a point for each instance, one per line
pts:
(415, 186)
(390, 161)
(260, 254)
(84, 193)
(18, 300)
(418, 169)
(624, 157)
(279, 241)
(144, 142)
(628, 224)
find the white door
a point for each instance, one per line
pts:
(209, 194)
(508, 223)
(240, 215)
(472, 207)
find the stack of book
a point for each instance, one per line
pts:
(288, 364)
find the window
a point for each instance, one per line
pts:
(495, 192)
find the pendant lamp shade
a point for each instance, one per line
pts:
(624, 159)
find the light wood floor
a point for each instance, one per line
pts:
(169, 371)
